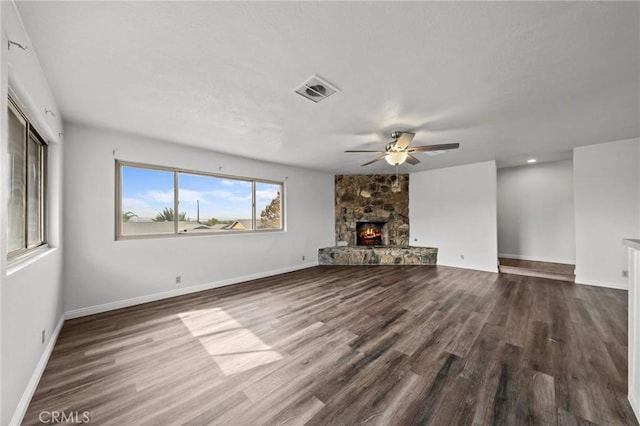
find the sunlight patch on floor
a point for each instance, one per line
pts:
(233, 347)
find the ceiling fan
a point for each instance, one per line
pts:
(398, 151)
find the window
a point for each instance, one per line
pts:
(269, 205)
(217, 203)
(206, 203)
(26, 168)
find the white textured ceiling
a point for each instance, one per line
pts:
(507, 80)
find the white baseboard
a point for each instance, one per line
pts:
(25, 400)
(96, 309)
(634, 401)
(596, 283)
(538, 258)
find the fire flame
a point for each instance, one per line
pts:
(370, 233)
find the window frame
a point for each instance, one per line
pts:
(120, 164)
(15, 106)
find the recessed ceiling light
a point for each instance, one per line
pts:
(531, 160)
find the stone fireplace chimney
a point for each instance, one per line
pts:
(371, 199)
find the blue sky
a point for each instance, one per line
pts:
(147, 192)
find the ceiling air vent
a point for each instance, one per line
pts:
(316, 89)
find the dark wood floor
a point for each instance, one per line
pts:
(350, 345)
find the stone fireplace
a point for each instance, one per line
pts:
(372, 199)
(372, 223)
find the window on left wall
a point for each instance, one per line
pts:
(26, 208)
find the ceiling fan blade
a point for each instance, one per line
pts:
(412, 160)
(404, 140)
(374, 160)
(363, 150)
(441, 147)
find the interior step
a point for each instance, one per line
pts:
(549, 270)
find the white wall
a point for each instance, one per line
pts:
(30, 292)
(634, 326)
(454, 209)
(535, 212)
(607, 206)
(3, 189)
(101, 273)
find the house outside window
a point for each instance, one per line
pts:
(163, 201)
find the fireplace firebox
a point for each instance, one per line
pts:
(371, 234)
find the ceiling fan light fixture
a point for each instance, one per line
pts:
(396, 158)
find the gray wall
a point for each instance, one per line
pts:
(101, 273)
(536, 212)
(454, 209)
(607, 206)
(30, 291)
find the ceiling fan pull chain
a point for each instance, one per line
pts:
(395, 186)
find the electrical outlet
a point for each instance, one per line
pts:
(462, 256)
(625, 273)
(178, 279)
(303, 257)
(43, 335)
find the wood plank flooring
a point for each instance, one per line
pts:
(351, 345)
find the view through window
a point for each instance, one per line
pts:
(26, 174)
(150, 196)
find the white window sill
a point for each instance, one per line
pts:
(19, 263)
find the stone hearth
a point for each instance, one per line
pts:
(377, 255)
